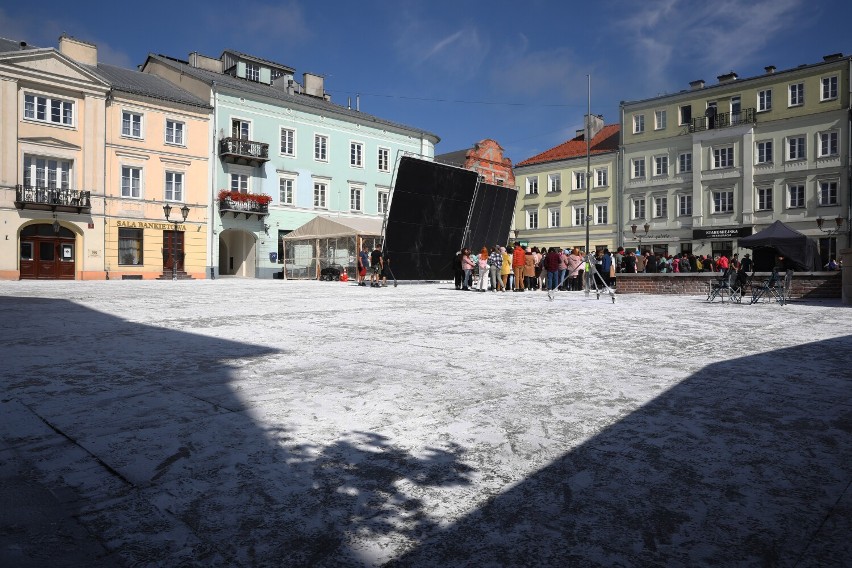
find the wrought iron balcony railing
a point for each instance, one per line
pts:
(249, 208)
(723, 120)
(239, 150)
(52, 199)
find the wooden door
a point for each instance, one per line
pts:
(172, 246)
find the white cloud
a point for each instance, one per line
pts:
(456, 54)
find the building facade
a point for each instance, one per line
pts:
(551, 208)
(485, 158)
(708, 165)
(283, 153)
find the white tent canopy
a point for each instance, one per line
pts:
(321, 227)
(328, 243)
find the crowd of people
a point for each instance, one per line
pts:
(377, 264)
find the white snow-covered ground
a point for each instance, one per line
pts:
(267, 423)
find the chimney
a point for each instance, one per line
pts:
(727, 77)
(833, 57)
(23, 45)
(203, 62)
(596, 123)
(313, 85)
(78, 50)
(580, 132)
(770, 69)
(695, 85)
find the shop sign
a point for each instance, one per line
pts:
(149, 225)
(724, 233)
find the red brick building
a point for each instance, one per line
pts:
(485, 158)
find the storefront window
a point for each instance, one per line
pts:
(130, 247)
(723, 247)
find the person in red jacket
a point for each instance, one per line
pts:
(722, 264)
(518, 258)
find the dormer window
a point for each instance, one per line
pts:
(252, 72)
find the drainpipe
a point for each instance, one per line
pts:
(211, 169)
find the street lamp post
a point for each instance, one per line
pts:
(640, 236)
(830, 231)
(167, 210)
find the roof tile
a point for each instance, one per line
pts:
(604, 141)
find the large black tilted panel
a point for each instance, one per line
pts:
(492, 216)
(426, 222)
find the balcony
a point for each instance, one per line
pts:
(247, 204)
(723, 120)
(240, 151)
(52, 199)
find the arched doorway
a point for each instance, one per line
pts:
(46, 253)
(237, 253)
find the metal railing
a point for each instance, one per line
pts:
(228, 204)
(241, 148)
(722, 120)
(51, 197)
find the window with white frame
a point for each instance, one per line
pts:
(661, 165)
(384, 160)
(829, 88)
(579, 216)
(764, 100)
(554, 217)
(383, 200)
(764, 152)
(685, 113)
(175, 132)
(320, 195)
(320, 148)
(602, 177)
(532, 185)
(764, 199)
(684, 205)
(723, 157)
(579, 180)
(661, 207)
(723, 201)
(356, 154)
(828, 144)
(638, 168)
(131, 182)
(47, 173)
(131, 124)
(286, 186)
(638, 123)
(356, 194)
(797, 94)
(532, 219)
(601, 214)
(796, 149)
(659, 119)
(252, 72)
(288, 142)
(174, 186)
(796, 196)
(240, 183)
(684, 162)
(638, 208)
(240, 129)
(554, 182)
(827, 193)
(48, 109)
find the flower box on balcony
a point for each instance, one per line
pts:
(248, 203)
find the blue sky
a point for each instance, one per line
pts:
(512, 71)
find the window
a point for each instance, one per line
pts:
(532, 185)
(174, 132)
(356, 154)
(764, 199)
(554, 182)
(829, 88)
(828, 144)
(661, 207)
(796, 148)
(384, 198)
(320, 195)
(638, 123)
(320, 148)
(532, 219)
(288, 142)
(723, 201)
(130, 247)
(554, 216)
(828, 193)
(384, 159)
(579, 216)
(601, 177)
(661, 165)
(684, 205)
(764, 152)
(174, 186)
(47, 173)
(797, 94)
(736, 107)
(684, 162)
(639, 208)
(796, 196)
(638, 168)
(131, 182)
(131, 124)
(659, 119)
(723, 157)
(47, 109)
(579, 180)
(240, 183)
(685, 114)
(601, 214)
(240, 129)
(355, 194)
(764, 100)
(285, 191)
(252, 72)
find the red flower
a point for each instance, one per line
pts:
(237, 197)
